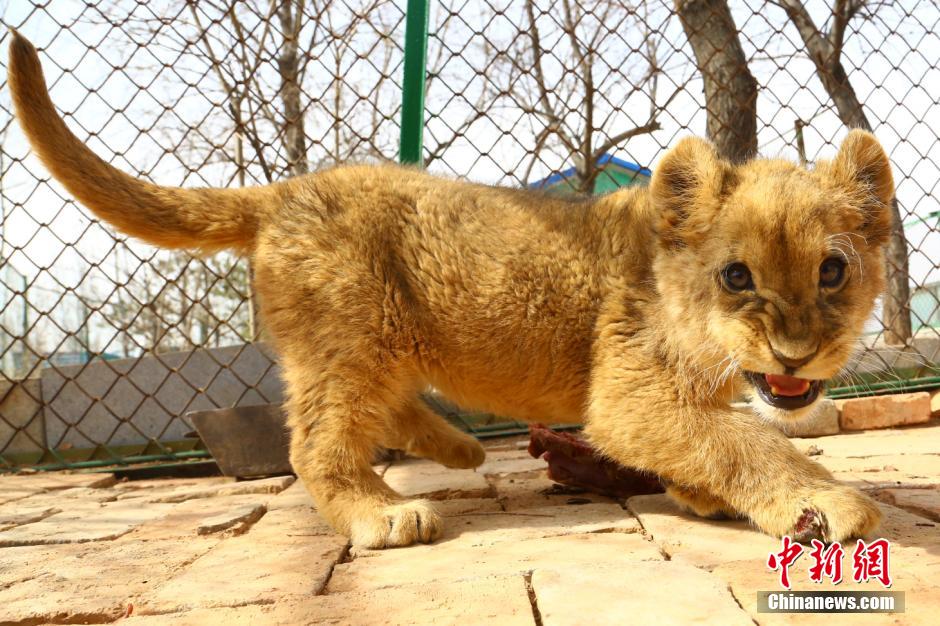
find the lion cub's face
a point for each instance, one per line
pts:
(769, 270)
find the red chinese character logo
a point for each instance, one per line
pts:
(784, 559)
(826, 562)
(871, 561)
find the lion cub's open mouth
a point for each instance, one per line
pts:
(785, 392)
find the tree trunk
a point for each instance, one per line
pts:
(826, 56)
(290, 13)
(896, 314)
(730, 89)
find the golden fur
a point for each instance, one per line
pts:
(378, 281)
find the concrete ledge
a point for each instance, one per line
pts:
(124, 402)
(21, 417)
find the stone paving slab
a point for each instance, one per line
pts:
(25, 514)
(422, 564)
(186, 518)
(293, 522)
(518, 492)
(160, 486)
(467, 506)
(235, 519)
(915, 572)
(906, 529)
(690, 539)
(924, 502)
(430, 480)
(12, 495)
(885, 471)
(293, 496)
(510, 462)
(275, 559)
(23, 563)
(549, 521)
(264, 485)
(90, 583)
(480, 528)
(477, 602)
(912, 440)
(107, 521)
(923, 465)
(70, 499)
(183, 520)
(639, 592)
(50, 481)
(869, 481)
(18, 486)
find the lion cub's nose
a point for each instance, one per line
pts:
(794, 363)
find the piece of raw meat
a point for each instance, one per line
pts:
(572, 461)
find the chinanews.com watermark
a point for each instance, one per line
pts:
(870, 561)
(830, 601)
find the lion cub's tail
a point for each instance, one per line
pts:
(208, 219)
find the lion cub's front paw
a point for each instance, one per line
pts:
(395, 525)
(836, 513)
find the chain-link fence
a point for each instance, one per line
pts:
(106, 343)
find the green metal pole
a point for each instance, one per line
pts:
(412, 93)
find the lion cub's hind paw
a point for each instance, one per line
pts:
(397, 525)
(464, 453)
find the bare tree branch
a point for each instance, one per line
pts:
(585, 59)
(537, 55)
(570, 107)
(619, 138)
(234, 98)
(540, 140)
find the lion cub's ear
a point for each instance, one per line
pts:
(687, 187)
(863, 169)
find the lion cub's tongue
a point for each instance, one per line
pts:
(781, 385)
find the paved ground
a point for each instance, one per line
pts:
(82, 548)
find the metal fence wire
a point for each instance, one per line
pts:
(105, 343)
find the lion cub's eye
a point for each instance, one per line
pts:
(831, 272)
(736, 277)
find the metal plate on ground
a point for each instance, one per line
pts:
(246, 441)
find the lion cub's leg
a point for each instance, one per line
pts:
(418, 430)
(736, 459)
(701, 503)
(338, 416)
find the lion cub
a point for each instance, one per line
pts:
(640, 313)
